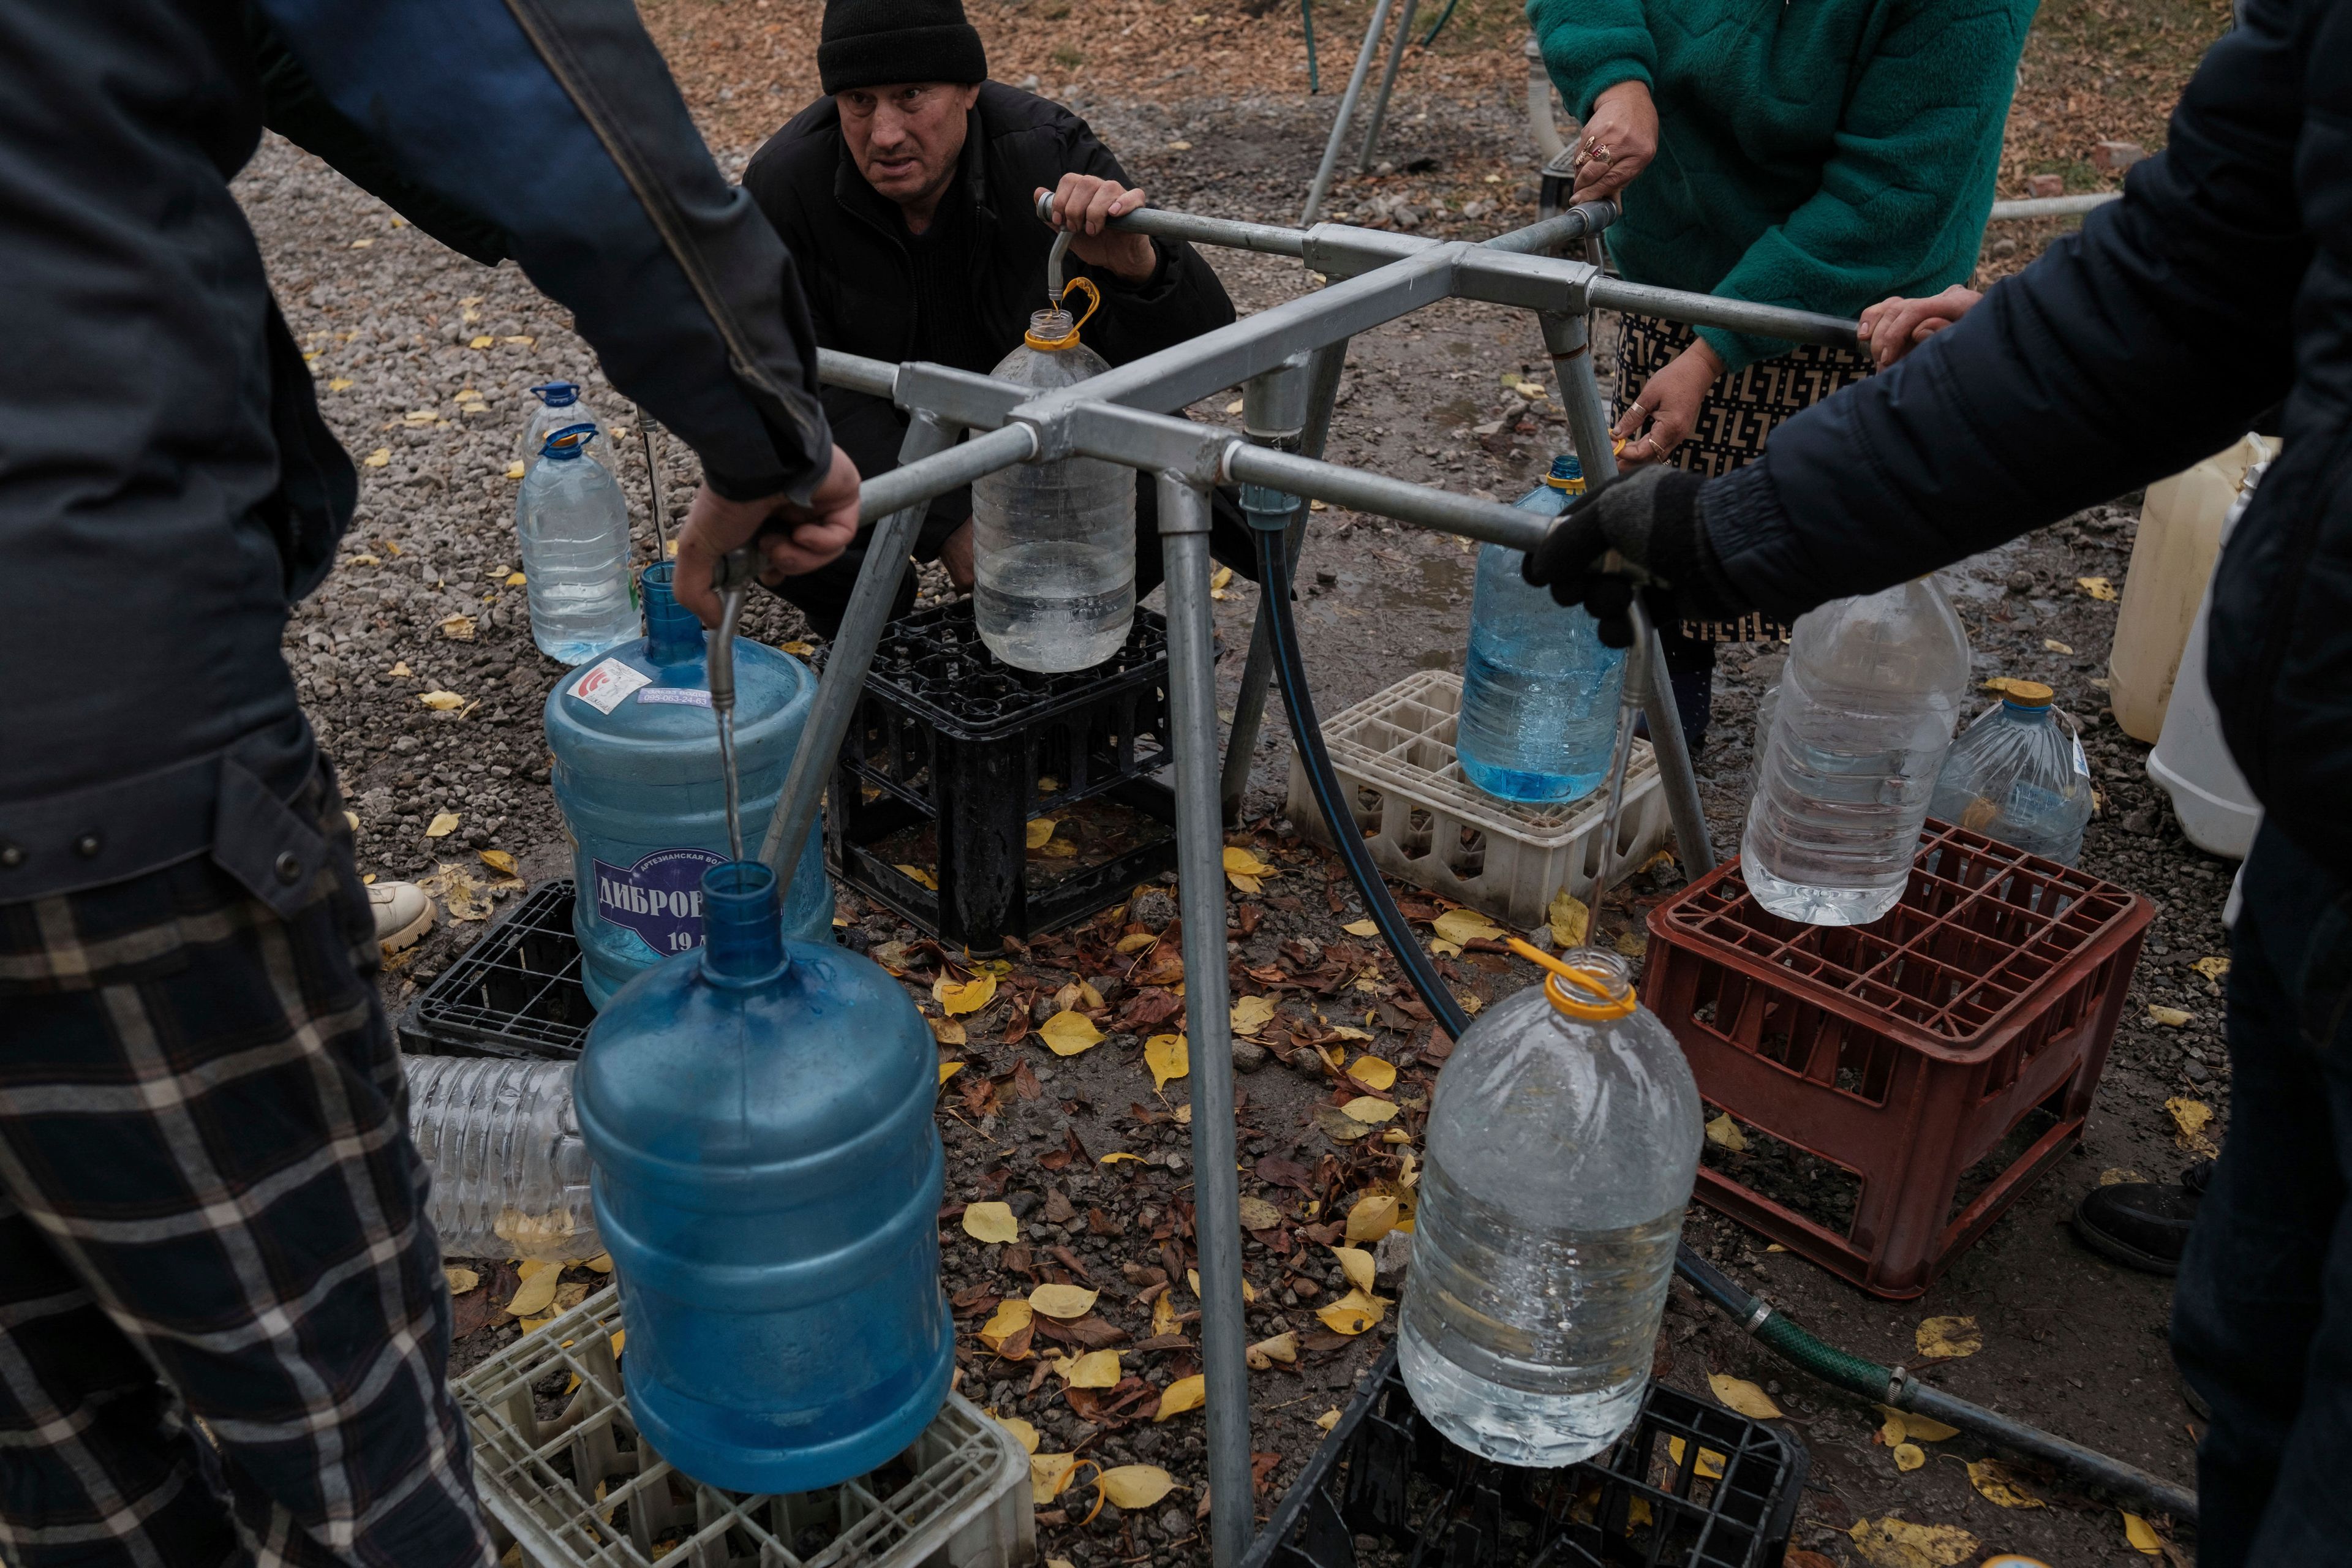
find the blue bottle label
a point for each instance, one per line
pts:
(659, 898)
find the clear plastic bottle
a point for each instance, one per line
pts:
(1538, 691)
(1053, 543)
(560, 408)
(2019, 774)
(510, 1171)
(574, 523)
(1563, 1143)
(1868, 698)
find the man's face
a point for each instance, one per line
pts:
(908, 136)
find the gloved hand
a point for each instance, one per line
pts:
(1651, 519)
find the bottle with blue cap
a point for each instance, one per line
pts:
(1539, 690)
(574, 523)
(768, 1178)
(639, 780)
(560, 408)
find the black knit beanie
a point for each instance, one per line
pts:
(865, 42)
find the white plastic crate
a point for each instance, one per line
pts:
(1427, 824)
(583, 1487)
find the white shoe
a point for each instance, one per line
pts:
(403, 913)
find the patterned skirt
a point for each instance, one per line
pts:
(1739, 415)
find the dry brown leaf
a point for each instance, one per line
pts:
(1135, 1486)
(1184, 1393)
(1743, 1396)
(991, 1222)
(1259, 1214)
(960, 997)
(1168, 1056)
(1062, 1301)
(1066, 1033)
(1951, 1336)
(1996, 1482)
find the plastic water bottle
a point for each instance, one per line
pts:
(560, 408)
(1868, 698)
(509, 1171)
(1563, 1143)
(1538, 691)
(768, 1178)
(2019, 774)
(638, 780)
(1053, 543)
(574, 523)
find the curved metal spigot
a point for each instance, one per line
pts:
(731, 579)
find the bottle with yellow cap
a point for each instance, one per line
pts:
(1563, 1142)
(1053, 543)
(2019, 774)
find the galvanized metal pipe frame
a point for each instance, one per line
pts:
(1387, 85)
(1123, 416)
(1322, 186)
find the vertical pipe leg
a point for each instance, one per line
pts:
(1322, 186)
(845, 664)
(1570, 347)
(1216, 1192)
(1387, 85)
(1279, 411)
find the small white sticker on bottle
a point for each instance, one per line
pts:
(607, 684)
(676, 696)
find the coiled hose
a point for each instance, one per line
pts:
(1269, 512)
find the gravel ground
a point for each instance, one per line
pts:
(2070, 1343)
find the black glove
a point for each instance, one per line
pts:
(1651, 519)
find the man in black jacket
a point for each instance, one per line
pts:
(223, 1323)
(2220, 285)
(906, 191)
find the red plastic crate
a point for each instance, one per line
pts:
(1904, 1051)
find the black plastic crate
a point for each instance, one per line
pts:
(1386, 1473)
(515, 993)
(952, 752)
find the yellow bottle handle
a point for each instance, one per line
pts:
(1070, 338)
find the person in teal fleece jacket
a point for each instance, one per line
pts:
(1823, 157)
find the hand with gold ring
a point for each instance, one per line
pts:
(1618, 142)
(1669, 402)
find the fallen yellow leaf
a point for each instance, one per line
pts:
(1023, 1433)
(1048, 1474)
(1743, 1396)
(1066, 1033)
(1353, 1312)
(537, 1293)
(378, 458)
(1168, 1056)
(1910, 1457)
(1725, 1134)
(1905, 1424)
(1259, 1214)
(1251, 1014)
(2008, 685)
(2099, 588)
(1356, 1264)
(1095, 1369)
(1136, 941)
(1632, 943)
(602, 1263)
(959, 996)
(1996, 1482)
(1460, 926)
(1283, 1347)
(1193, 1277)
(2189, 1119)
(442, 702)
(1240, 862)
(2211, 968)
(514, 472)
(481, 340)
(1135, 1486)
(1710, 1463)
(460, 1280)
(991, 1222)
(918, 875)
(498, 860)
(948, 1032)
(1184, 1393)
(458, 628)
(1009, 1318)
(1363, 928)
(1373, 1072)
(1369, 1109)
(1039, 830)
(1118, 1154)
(340, 384)
(442, 824)
(515, 579)
(2143, 1536)
(1949, 1337)
(1164, 1313)
(2170, 1018)
(1372, 1218)
(1329, 1418)
(1571, 921)
(2054, 645)
(1062, 1301)
(949, 1070)
(1892, 1542)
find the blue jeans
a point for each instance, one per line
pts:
(2262, 1320)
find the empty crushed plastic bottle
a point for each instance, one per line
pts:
(768, 1180)
(509, 1171)
(574, 523)
(1563, 1143)
(2019, 774)
(560, 408)
(1867, 701)
(638, 780)
(1539, 689)
(1053, 543)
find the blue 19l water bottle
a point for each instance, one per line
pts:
(638, 780)
(1538, 691)
(768, 1177)
(574, 524)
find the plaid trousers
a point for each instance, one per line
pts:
(224, 1327)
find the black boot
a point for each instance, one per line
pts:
(2143, 1224)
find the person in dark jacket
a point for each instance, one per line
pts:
(907, 192)
(224, 1324)
(2218, 286)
